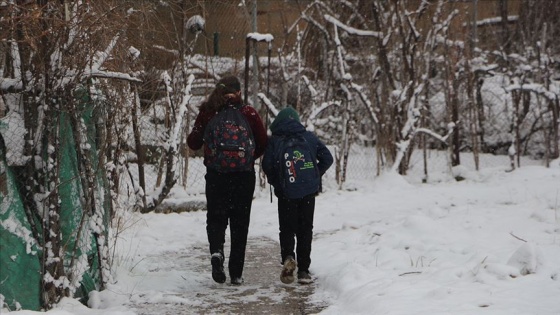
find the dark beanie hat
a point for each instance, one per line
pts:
(287, 113)
(230, 83)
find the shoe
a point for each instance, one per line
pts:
(287, 275)
(237, 280)
(218, 273)
(304, 277)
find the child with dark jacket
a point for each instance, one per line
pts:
(229, 195)
(295, 215)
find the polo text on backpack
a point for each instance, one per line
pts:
(229, 143)
(299, 175)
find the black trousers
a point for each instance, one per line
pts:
(296, 222)
(229, 197)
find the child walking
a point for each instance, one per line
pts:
(233, 136)
(294, 161)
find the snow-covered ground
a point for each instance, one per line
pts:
(487, 245)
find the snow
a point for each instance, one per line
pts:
(134, 52)
(195, 23)
(12, 225)
(350, 29)
(495, 20)
(261, 37)
(488, 244)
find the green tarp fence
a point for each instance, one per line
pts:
(20, 276)
(20, 253)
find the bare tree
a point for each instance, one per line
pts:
(389, 83)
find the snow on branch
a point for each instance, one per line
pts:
(365, 99)
(175, 52)
(434, 135)
(346, 90)
(111, 75)
(413, 111)
(412, 27)
(318, 110)
(8, 84)
(533, 87)
(484, 68)
(182, 110)
(411, 129)
(339, 51)
(13, 83)
(448, 42)
(310, 87)
(73, 27)
(356, 11)
(495, 20)
(16, 60)
(102, 56)
(403, 145)
(317, 24)
(304, 15)
(352, 30)
(268, 104)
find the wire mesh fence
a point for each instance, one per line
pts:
(363, 163)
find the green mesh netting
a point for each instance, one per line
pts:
(20, 279)
(20, 276)
(72, 213)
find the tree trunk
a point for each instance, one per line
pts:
(456, 139)
(504, 25)
(555, 107)
(139, 148)
(54, 274)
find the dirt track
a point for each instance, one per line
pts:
(262, 292)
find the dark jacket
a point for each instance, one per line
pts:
(285, 127)
(195, 139)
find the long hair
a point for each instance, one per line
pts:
(217, 100)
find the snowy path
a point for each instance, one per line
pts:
(262, 292)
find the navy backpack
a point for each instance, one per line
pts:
(298, 172)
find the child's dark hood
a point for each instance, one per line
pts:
(287, 126)
(286, 122)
